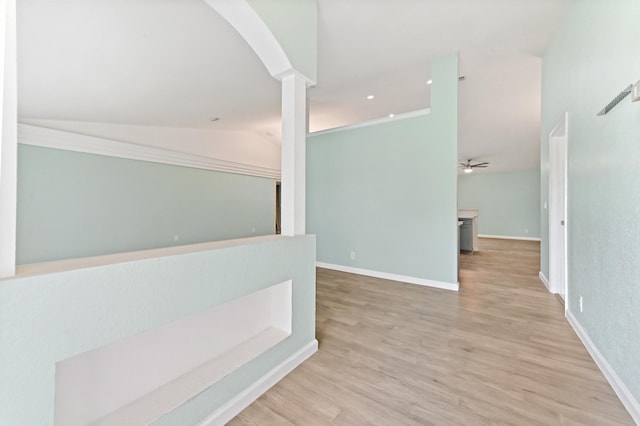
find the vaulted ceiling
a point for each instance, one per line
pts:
(177, 63)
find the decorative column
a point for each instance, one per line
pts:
(8, 143)
(294, 134)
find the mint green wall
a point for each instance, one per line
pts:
(388, 191)
(73, 204)
(509, 203)
(294, 23)
(592, 58)
(48, 318)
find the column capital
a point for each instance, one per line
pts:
(292, 72)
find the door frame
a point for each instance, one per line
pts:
(558, 189)
(278, 210)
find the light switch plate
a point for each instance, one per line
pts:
(635, 92)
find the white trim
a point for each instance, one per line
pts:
(8, 145)
(626, 397)
(507, 237)
(241, 401)
(393, 277)
(58, 139)
(544, 280)
(416, 113)
(558, 207)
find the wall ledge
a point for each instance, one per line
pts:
(393, 277)
(49, 138)
(57, 266)
(626, 397)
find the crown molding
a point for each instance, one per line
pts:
(49, 138)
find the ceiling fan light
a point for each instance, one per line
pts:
(468, 169)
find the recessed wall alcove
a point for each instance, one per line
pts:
(138, 379)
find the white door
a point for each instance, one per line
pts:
(558, 208)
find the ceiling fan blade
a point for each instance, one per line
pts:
(480, 165)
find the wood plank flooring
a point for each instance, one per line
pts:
(499, 352)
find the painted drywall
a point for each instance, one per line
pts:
(592, 58)
(73, 204)
(294, 23)
(509, 203)
(388, 191)
(51, 317)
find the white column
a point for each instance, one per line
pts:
(294, 133)
(8, 133)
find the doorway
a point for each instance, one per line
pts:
(278, 208)
(558, 138)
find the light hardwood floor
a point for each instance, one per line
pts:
(499, 352)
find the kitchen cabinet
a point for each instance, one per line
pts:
(468, 229)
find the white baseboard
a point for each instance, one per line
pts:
(630, 403)
(507, 237)
(393, 277)
(241, 401)
(544, 280)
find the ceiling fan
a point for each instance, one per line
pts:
(468, 167)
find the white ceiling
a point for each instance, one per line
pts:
(177, 63)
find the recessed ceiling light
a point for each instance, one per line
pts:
(391, 115)
(370, 97)
(429, 81)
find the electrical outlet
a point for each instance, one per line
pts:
(253, 230)
(526, 230)
(176, 237)
(580, 303)
(353, 255)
